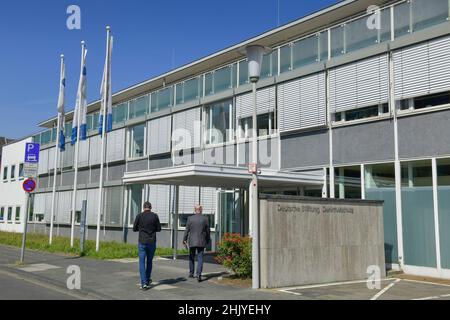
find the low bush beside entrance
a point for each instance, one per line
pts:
(234, 252)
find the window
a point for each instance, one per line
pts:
(426, 13)
(219, 122)
(165, 98)
(243, 73)
(188, 91)
(269, 67)
(337, 41)
(13, 172)
(139, 107)
(380, 185)
(418, 214)
(443, 189)
(423, 102)
(323, 46)
(113, 206)
(18, 214)
(137, 145)
(2, 215)
(305, 52)
(348, 182)
(120, 113)
(37, 138)
(135, 202)
(10, 210)
(402, 18)
(362, 113)
(285, 59)
(222, 79)
(358, 35)
(5, 173)
(266, 125)
(46, 137)
(54, 135)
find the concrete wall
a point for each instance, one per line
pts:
(303, 242)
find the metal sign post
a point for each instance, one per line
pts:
(29, 186)
(83, 226)
(30, 171)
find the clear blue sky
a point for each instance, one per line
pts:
(151, 37)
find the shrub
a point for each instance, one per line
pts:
(235, 254)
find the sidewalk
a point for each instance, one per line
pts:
(120, 279)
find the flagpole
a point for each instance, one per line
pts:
(55, 171)
(104, 114)
(77, 149)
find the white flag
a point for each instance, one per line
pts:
(81, 104)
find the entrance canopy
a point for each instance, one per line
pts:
(223, 177)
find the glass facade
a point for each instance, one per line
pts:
(243, 73)
(380, 185)
(120, 113)
(418, 214)
(266, 125)
(135, 206)
(348, 182)
(113, 206)
(443, 189)
(426, 13)
(139, 107)
(219, 122)
(137, 143)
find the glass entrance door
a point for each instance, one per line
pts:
(230, 213)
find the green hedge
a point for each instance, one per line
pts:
(108, 250)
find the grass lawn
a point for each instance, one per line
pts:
(108, 250)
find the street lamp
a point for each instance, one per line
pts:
(255, 55)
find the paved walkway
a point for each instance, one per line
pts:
(44, 276)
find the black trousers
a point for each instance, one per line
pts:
(192, 252)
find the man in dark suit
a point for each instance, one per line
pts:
(197, 236)
(147, 224)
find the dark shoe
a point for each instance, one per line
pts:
(149, 282)
(144, 287)
(191, 276)
(199, 278)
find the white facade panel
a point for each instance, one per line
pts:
(115, 146)
(302, 103)
(187, 129)
(422, 69)
(209, 200)
(360, 84)
(92, 206)
(43, 162)
(265, 101)
(159, 135)
(189, 198)
(83, 156)
(95, 149)
(160, 200)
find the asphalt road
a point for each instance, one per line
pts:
(14, 287)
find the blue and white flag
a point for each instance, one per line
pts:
(61, 107)
(81, 104)
(106, 92)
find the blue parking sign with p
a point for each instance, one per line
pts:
(32, 152)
